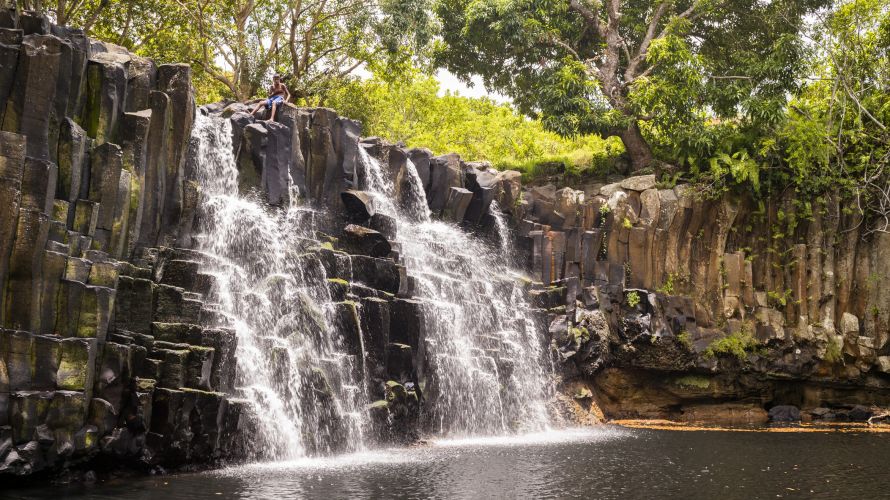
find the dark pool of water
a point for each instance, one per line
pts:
(603, 463)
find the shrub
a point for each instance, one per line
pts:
(833, 352)
(737, 344)
(633, 299)
(685, 338)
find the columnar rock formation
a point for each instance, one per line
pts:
(100, 351)
(111, 342)
(774, 303)
(114, 341)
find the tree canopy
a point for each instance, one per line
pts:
(761, 96)
(235, 45)
(653, 73)
(414, 111)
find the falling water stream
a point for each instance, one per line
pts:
(485, 366)
(486, 372)
(291, 364)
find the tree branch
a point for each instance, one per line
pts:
(590, 17)
(631, 73)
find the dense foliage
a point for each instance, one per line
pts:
(750, 95)
(236, 45)
(412, 110)
(650, 72)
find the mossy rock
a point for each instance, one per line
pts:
(700, 382)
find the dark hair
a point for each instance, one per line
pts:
(276, 77)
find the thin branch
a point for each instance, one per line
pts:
(633, 64)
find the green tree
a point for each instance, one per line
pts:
(835, 137)
(234, 46)
(645, 71)
(414, 111)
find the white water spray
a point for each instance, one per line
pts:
(486, 372)
(292, 365)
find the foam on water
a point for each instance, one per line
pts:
(548, 437)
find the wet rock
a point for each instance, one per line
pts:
(380, 274)
(400, 361)
(445, 173)
(406, 322)
(374, 314)
(359, 205)
(784, 413)
(384, 224)
(549, 297)
(348, 325)
(364, 241)
(421, 159)
(456, 204)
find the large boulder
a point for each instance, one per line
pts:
(363, 241)
(784, 413)
(445, 173)
(359, 205)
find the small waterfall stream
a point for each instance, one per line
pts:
(486, 370)
(291, 364)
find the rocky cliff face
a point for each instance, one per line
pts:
(674, 303)
(113, 343)
(99, 352)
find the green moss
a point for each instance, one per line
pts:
(685, 338)
(626, 223)
(693, 381)
(833, 352)
(779, 299)
(580, 335)
(338, 281)
(583, 393)
(667, 287)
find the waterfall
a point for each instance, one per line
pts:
(292, 364)
(505, 239)
(486, 366)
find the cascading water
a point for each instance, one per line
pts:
(292, 365)
(486, 367)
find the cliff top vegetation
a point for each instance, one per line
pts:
(749, 95)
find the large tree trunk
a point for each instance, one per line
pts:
(636, 146)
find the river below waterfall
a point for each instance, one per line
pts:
(608, 462)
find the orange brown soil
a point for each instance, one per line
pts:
(659, 424)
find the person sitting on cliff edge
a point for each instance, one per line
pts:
(278, 95)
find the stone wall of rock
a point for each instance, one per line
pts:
(100, 348)
(110, 345)
(774, 303)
